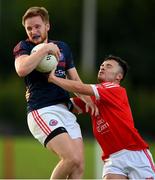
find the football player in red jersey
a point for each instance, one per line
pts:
(125, 154)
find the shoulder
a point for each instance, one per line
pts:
(23, 44)
(18, 45)
(109, 91)
(109, 85)
(61, 44)
(23, 47)
(58, 42)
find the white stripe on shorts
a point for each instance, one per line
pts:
(43, 126)
(149, 158)
(43, 121)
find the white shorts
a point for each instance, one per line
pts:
(133, 164)
(46, 123)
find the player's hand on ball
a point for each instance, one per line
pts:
(49, 61)
(51, 75)
(53, 49)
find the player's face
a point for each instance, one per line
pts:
(110, 71)
(36, 29)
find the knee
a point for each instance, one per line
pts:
(74, 161)
(77, 163)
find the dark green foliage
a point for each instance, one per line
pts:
(125, 28)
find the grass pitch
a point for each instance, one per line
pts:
(32, 161)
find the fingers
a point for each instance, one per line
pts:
(51, 75)
(96, 111)
(54, 49)
(87, 108)
(93, 109)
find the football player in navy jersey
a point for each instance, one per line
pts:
(49, 118)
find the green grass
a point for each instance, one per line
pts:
(152, 149)
(32, 161)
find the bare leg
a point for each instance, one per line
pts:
(77, 172)
(114, 176)
(68, 152)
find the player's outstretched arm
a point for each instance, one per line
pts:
(76, 87)
(71, 85)
(89, 104)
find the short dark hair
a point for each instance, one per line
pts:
(124, 65)
(36, 11)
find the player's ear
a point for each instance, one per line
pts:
(119, 76)
(48, 26)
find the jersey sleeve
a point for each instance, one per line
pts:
(69, 57)
(108, 92)
(20, 49)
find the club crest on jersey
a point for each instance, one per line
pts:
(53, 122)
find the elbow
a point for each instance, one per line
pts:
(21, 72)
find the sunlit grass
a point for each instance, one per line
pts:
(32, 161)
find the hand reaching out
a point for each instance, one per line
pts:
(90, 106)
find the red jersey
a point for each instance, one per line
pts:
(114, 127)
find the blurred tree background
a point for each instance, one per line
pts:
(124, 28)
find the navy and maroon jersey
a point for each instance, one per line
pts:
(114, 126)
(40, 93)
